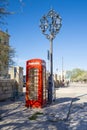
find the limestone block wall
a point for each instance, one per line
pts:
(7, 87)
(16, 72)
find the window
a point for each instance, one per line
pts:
(33, 83)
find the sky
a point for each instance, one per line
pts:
(69, 45)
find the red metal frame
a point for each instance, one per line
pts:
(38, 65)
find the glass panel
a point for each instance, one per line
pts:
(33, 83)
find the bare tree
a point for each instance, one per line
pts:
(6, 52)
(4, 10)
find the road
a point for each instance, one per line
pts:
(68, 112)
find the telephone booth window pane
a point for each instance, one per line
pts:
(33, 83)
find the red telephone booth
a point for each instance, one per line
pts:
(35, 83)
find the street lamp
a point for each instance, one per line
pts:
(50, 25)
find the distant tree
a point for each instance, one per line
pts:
(84, 76)
(78, 75)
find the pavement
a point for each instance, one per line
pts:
(68, 112)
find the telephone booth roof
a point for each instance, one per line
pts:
(36, 62)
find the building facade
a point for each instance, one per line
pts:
(16, 73)
(4, 44)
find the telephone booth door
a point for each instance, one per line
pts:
(35, 83)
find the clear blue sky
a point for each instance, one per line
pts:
(29, 42)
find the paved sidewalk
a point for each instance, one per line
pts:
(15, 115)
(68, 112)
(78, 114)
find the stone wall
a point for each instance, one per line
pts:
(7, 88)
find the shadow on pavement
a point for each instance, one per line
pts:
(62, 100)
(78, 117)
(15, 115)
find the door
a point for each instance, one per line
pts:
(33, 77)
